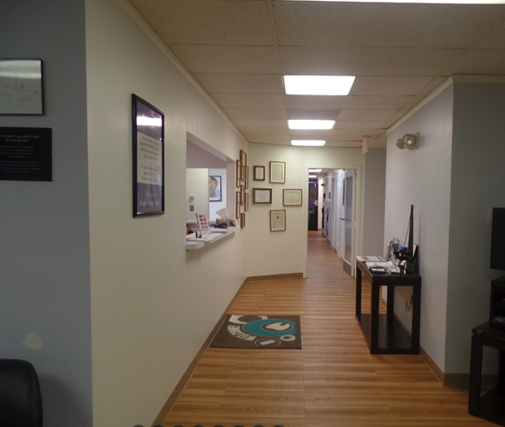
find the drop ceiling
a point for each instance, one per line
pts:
(238, 51)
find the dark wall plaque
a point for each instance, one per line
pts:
(26, 154)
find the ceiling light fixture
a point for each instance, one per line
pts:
(311, 124)
(315, 170)
(318, 85)
(312, 176)
(308, 142)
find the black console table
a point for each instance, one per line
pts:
(383, 333)
(490, 406)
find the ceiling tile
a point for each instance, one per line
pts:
(278, 124)
(346, 102)
(366, 61)
(388, 85)
(480, 61)
(240, 83)
(255, 113)
(354, 124)
(375, 25)
(227, 59)
(195, 21)
(248, 101)
(366, 115)
(495, 40)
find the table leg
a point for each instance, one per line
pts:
(374, 319)
(475, 376)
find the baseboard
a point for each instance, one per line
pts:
(181, 385)
(273, 277)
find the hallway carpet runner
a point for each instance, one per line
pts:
(259, 332)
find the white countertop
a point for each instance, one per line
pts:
(194, 243)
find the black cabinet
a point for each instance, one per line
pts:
(490, 406)
(383, 333)
(497, 311)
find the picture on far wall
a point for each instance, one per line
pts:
(148, 158)
(21, 88)
(292, 197)
(215, 188)
(237, 205)
(278, 220)
(237, 173)
(277, 172)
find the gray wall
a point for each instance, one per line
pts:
(374, 201)
(44, 235)
(477, 185)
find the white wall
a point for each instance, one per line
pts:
(289, 249)
(44, 234)
(153, 303)
(422, 177)
(478, 185)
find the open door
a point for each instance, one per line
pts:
(349, 218)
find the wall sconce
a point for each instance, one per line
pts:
(409, 140)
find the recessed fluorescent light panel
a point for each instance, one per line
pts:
(312, 176)
(414, 1)
(318, 85)
(308, 142)
(315, 170)
(311, 124)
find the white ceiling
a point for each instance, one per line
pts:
(238, 51)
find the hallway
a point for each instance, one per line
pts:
(331, 381)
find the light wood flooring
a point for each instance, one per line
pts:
(332, 381)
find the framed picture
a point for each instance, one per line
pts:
(262, 196)
(237, 173)
(215, 188)
(246, 206)
(278, 220)
(148, 158)
(246, 177)
(243, 165)
(21, 89)
(259, 173)
(237, 204)
(242, 195)
(292, 197)
(277, 172)
(242, 220)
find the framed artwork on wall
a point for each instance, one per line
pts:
(259, 173)
(262, 196)
(148, 158)
(215, 188)
(277, 172)
(278, 220)
(237, 204)
(292, 197)
(21, 87)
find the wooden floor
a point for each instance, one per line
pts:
(332, 381)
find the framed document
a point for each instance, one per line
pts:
(148, 158)
(237, 204)
(278, 220)
(277, 172)
(262, 196)
(237, 173)
(292, 197)
(21, 90)
(246, 207)
(242, 220)
(259, 173)
(243, 165)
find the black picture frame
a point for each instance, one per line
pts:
(148, 158)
